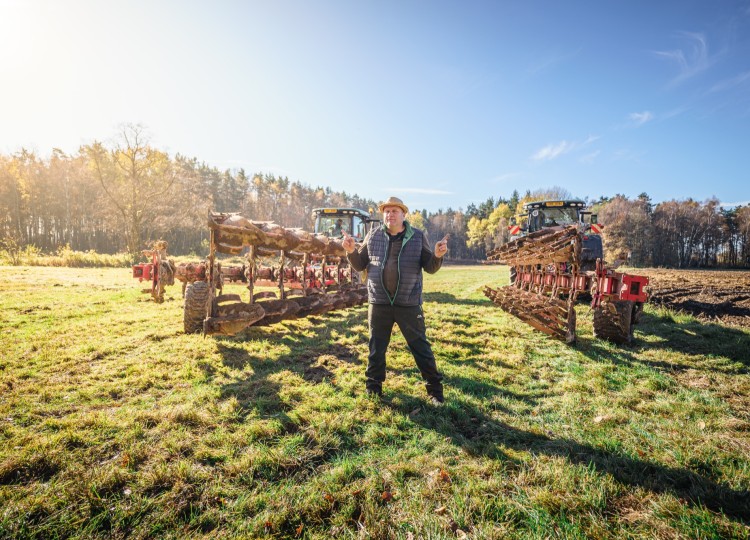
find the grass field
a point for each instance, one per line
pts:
(115, 424)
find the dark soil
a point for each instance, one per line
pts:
(715, 295)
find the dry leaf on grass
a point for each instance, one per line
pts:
(444, 477)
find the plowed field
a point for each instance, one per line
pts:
(716, 295)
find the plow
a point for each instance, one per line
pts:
(552, 266)
(160, 271)
(308, 274)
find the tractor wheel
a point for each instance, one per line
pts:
(614, 322)
(196, 297)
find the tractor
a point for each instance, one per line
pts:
(555, 256)
(555, 215)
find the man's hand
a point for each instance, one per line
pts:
(441, 248)
(348, 243)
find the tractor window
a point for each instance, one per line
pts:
(333, 225)
(358, 228)
(551, 217)
(560, 216)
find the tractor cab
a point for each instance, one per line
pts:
(334, 222)
(546, 214)
(542, 215)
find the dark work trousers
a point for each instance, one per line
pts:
(410, 320)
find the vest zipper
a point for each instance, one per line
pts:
(398, 267)
(382, 270)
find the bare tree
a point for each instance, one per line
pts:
(627, 230)
(135, 179)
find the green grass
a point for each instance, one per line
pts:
(115, 424)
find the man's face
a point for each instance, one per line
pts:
(393, 217)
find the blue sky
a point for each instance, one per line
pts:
(440, 103)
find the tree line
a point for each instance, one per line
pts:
(124, 195)
(672, 234)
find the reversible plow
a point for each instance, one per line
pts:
(160, 271)
(308, 274)
(547, 277)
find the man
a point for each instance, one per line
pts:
(338, 229)
(394, 256)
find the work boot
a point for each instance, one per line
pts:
(437, 401)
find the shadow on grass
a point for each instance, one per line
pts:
(312, 358)
(696, 337)
(484, 390)
(480, 435)
(724, 347)
(447, 298)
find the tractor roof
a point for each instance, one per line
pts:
(335, 211)
(565, 203)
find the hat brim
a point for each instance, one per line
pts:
(383, 206)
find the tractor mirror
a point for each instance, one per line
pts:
(513, 221)
(593, 219)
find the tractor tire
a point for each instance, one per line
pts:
(615, 325)
(196, 298)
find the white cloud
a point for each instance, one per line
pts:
(553, 151)
(505, 177)
(730, 83)
(641, 118)
(590, 158)
(625, 154)
(691, 60)
(733, 204)
(418, 190)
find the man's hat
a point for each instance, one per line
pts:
(394, 201)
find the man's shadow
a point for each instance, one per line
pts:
(311, 358)
(479, 435)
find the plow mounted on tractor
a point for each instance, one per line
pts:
(555, 263)
(308, 272)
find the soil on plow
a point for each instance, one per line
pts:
(715, 295)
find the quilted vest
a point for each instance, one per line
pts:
(409, 290)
